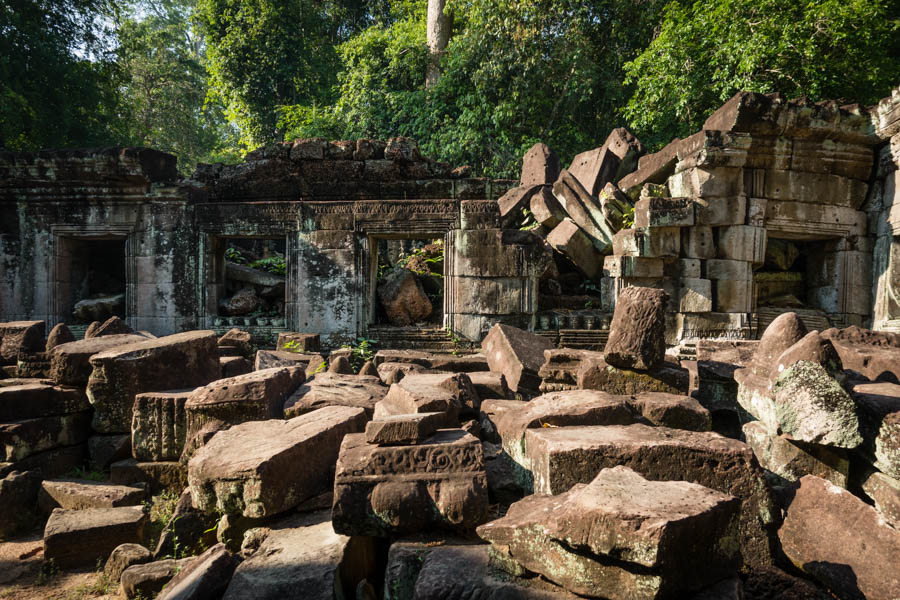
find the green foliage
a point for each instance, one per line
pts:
(708, 50)
(273, 264)
(234, 255)
(86, 474)
(361, 352)
(161, 509)
(628, 218)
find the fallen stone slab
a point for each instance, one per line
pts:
(21, 439)
(232, 366)
(874, 355)
(637, 334)
(238, 339)
(340, 365)
(812, 407)
(73, 494)
(172, 362)
(392, 372)
(569, 239)
(717, 360)
(879, 412)
(513, 201)
(262, 468)
(517, 354)
(20, 336)
(267, 359)
(158, 476)
(671, 410)
(205, 577)
(147, 580)
(189, 531)
(84, 536)
(159, 425)
(392, 490)
(790, 460)
(635, 538)
(857, 561)
(561, 457)
(60, 334)
(595, 374)
(584, 210)
(112, 326)
(302, 557)
(51, 463)
(70, 363)
(402, 430)
(616, 158)
(255, 396)
(490, 385)
(297, 342)
(123, 557)
(18, 499)
(332, 389)
(104, 450)
(786, 330)
(540, 165)
(884, 491)
(546, 208)
(560, 369)
(451, 394)
(812, 348)
(39, 400)
(450, 572)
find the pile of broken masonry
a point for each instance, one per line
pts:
(522, 472)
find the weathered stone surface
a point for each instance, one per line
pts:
(60, 334)
(812, 407)
(540, 165)
(293, 341)
(873, 354)
(159, 425)
(331, 389)
(671, 410)
(104, 450)
(392, 490)
(811, 348)
(561, 457)
(664, 212)
(637, 335)
(853, 562)
(18, 498)
(81, 537)
(148, 579)
(173, 362)
(188, 531)
(490, 385)
(513, 201)
(616, 158)
(546, 208)
(239, 339)
(261, 468)
(786, 330)
(243, 302)
(884, 491)
(303, 558)
(255, 396)
(742, 242)
(517, 354)
(98, 309)
(157, 476)
(368, 369)
(403, 298)
(450, 572)
(21, 439)
(698, 242)
(268, 359)
(92, 328)
(879, 412)
(20, 336)
(38, 400)
(790, 460)
(569, 239)
(695, 295)
(77, 494)
(584, 209)
(635, 538)
(595, 374)
(123, 557)
(205, 577)
(450, 394)
(633, 266)
(50, 463)
(340, 365)
(404, 429)
(70, 362)
(112, 326)
(232, 366)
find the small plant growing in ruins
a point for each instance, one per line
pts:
(361, 352)
(86, 474)
(628, 218)
(273, 264)
(48, 572)
(235, 256)
(292, 346)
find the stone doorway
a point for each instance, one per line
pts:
(249, 282)
(91, 278)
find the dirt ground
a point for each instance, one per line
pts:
(25, 576)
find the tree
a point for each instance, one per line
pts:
(58, 77)
(708, 50)
(165, 85)
(438, 30)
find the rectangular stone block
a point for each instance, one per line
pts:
(695, 295)
(37, 400)
(683, 267)
(742, 242)
(81, 537)
(718, 211)
(702, 182)
(734, 296)
(664, 212)
(569, 239)
(632, 266)
(159, 426)
(756, 212)
(698, 242)
(21, 439)
(394, 490)
(658, 242)
(731, 270)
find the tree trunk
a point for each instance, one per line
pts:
(439, 25)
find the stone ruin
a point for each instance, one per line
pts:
(667, 375)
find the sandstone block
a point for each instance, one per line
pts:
(637, 333)
(569, 239)
(659, 242)
(205, 577)
(331, 389)
(392, 490)
(60, 334)
(232, 366)
(546, 208)
(584, 209)
(404, 429)
(790, 460)
(302, 557)
(297, 342)
(159, 425)
(517, 354)
(490, 385)
(664, 212)
(38, 400)
(786, 330)
(873, 354)
(72, 494)
(21, 439)
(147, 580)
(403, 298)
(879, 412)
(632, 535)
(238, 339)
(695, 295)
(104, 450)
(884, 491)
(123, 557)
(112, 326)
(513, 201)
(742, 242)
(70, 362)
(632, 266)
(20, 336)
(81, 537)
(596, 374)
(698, 241)
(540, 165)
(189, 530)
(268, 359)
(671, 410)
(561, 457)
(18, 499)
(261, 468)
(157, 476)
(852, 562)
(734, 296)
(172, 362)
(730, 270)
